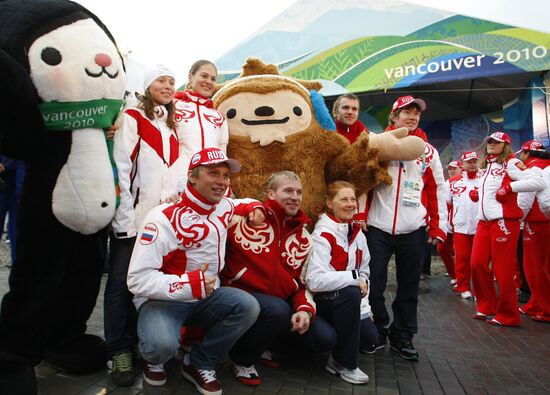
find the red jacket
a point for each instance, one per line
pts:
(351, 132)
(269, 259)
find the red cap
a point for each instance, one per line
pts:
(454, 163)
(500, 137)
(404, 101)
(532, 145)
(213, 156)
(469, 155)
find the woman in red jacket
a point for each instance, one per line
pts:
(497, 233)
(536, 233)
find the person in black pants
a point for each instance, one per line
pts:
(338, 274)
(401, 217)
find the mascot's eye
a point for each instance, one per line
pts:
(231, 113)
(51, 56)
(297, 110)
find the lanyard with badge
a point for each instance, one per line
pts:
(411, 186)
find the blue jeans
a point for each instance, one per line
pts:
(120, 313)
(273, 324)
(227, 313)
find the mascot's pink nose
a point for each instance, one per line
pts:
(103, 60)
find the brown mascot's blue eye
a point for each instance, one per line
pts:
(297, 110)
(231, 113)
(51, 56)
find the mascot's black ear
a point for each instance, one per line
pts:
(22, 131)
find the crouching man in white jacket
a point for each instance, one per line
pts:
(174, 275)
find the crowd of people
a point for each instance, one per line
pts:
(194, 270)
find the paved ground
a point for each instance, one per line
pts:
(457, 355)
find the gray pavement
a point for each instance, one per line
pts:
(457, 355)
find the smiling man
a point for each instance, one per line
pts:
(174, 275)
(346, 112)
(268, 261)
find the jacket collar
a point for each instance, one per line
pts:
(192, 198)
(190, 96)
(417, 132)
(274, 208)
(330, 222)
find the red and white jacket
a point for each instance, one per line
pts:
(199, 126)
(498, 175)
(270, 258)
(529, 201)
(463, 217)
(386, 209)
(544, 195)
(335, 262)
(146, 156)
(175, 241)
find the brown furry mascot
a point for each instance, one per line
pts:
(281, 123)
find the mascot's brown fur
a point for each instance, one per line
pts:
(274, 125)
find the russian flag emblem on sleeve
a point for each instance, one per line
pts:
(149, 234)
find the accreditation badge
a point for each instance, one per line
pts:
(411, 192)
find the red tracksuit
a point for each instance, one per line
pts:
(464, 222)
(536, 253)
(496, 241)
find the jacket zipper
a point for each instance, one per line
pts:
(483, 190)
(396, 201)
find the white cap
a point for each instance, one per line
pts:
(153, 72)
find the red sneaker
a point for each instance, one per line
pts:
(154, 374)
(247, 375)
(269, 358)
(204, 380)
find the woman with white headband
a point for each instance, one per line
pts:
(146, 152)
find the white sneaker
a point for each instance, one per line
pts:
(247, 375)
(353, 376)
(466, 295)
(452, 283)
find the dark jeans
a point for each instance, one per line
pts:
(342, 310)
(409, 252)
(369, 333)
(120, 319)
(273, 324)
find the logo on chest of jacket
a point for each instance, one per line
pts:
(149, 234)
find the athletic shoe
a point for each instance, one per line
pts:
(479, 316)
(204, 380)
(353, 376)
(247, 375)
(466, 295)
(122, 372)
(406, 350)
(452, 283)
(380, 343)
(154, 375)
(269, 358)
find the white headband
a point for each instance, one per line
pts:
(153, 72)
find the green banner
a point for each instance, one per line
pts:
(97, 114)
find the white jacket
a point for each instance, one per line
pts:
(146, 157)
(387, 210)
(464, 210)
(175, 241)
(543, 196)
(498, 175)
(199, 126)
(334, 262)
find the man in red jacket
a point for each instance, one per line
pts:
(267, 261)
(346, 112)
